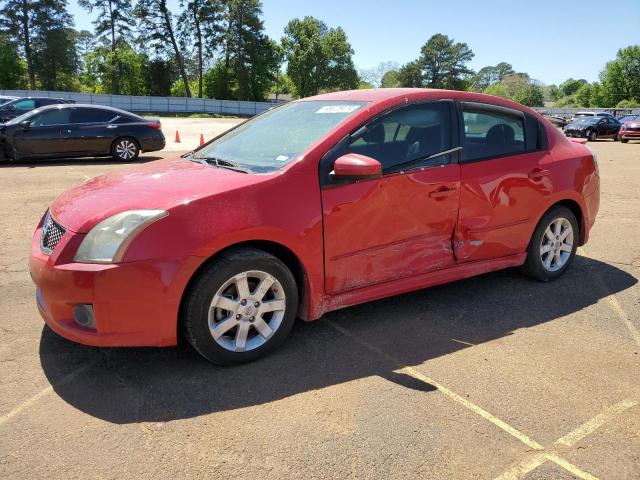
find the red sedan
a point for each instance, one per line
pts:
(317, 205)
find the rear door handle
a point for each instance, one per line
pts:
(443, 192)
(538, 173)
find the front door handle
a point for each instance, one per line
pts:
(442, 193)
(538, 173)
(111, 127)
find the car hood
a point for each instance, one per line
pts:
(632, 124)
(156, 185)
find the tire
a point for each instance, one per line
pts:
(221, 285)
(125, 149)
(542, 262)
(592, 135)
(624, 140)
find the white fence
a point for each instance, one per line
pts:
(154, 104)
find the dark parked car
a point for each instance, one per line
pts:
(593, 128)
(18, 106)
(79, 131)
(4, 99)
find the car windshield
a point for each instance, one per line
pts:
(587, 120)
(629, 118)
(275, 138)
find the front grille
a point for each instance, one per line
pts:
(52, 232)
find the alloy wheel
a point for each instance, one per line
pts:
(556, 246)
(126, 149)
(246, 311)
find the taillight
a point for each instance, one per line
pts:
(156, 126)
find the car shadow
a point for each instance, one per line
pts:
(54, 162)
(124, 385)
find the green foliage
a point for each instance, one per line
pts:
(102, 65)
(444, 62)
(568, 101)
(519, 88)
(628, 104)
(410, 75)
(487, 76)
(391, 79)
(621, 77)
(113, 22)
(12, 68)
(571, 86)
(318, 58)
(177, 89)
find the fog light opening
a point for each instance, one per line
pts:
(83, 316)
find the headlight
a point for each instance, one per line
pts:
(107, 242)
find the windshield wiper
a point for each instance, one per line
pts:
(219, 162)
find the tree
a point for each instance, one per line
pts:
(519, 88)
(374, 76)
(318, 57)
(157, 22)
(621, 77)
(489, 75)
(55, 59)
(11, 66)
(444, 62)
(571, 86)
(16, 19)
(159, 75)
(391, 79)
(102, 64)
(201, 23)
(410, 75)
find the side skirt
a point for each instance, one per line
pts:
(418, 282)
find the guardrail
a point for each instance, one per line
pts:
(154, 104)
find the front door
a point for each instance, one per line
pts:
(45, 135)
(401, 224)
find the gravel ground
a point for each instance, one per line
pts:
(495, 375)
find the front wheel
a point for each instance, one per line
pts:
(241, 307)
(624, 140)
(125, 150)
(592, 135)
(553, 245)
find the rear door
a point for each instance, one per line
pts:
(90, 131)
(505, 172)
(401, 224)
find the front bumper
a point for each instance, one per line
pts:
(629, 135)
(576, 133)
(135, 304)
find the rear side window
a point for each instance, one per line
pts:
(122, 119)
(91, 115)
(490, 134)
(51, 117)
(25, 105)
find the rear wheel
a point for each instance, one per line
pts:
(125, 149)
(553, 245)
(592, 135)
(624, 140)
(241, 307)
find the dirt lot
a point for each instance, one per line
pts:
(488, 377)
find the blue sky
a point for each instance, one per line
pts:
(550, 40)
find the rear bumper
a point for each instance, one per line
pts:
(134, 304)
(154, 144)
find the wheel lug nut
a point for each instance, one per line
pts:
(238, 317)
(257, 304)
(253, 318)
(243, 302)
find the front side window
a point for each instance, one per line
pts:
(25, 105)
(274, 139)
(51, 117)
(491, 134)
(407, 138)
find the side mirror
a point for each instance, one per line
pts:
(25, 125)
(355, 166)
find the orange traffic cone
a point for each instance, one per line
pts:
(201, 139)
(177, 140)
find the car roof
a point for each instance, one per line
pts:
(383, 95)
(86, 105)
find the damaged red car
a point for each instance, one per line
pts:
(316, 205)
